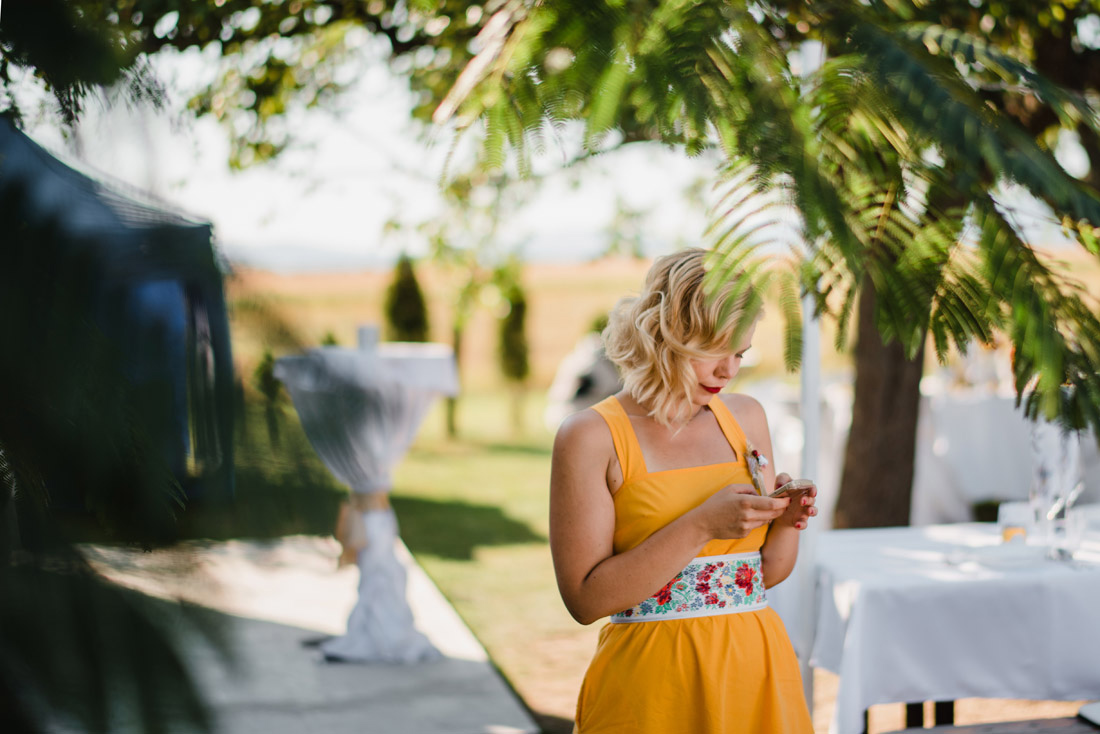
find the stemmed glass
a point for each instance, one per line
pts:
(1055, 484)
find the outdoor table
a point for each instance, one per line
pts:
(1065, 725)
(945, 612)
(360, 409)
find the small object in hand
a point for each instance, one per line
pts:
(793, 487)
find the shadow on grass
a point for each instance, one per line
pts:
(281, 486)
(303, 502)
(453, 529)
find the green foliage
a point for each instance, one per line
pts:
(466, 241)
(405, 309)
(100, 656)
(275, 58)
(513, 335)
(871, 168)
(72, 46)
(329, 339)
(625, 232)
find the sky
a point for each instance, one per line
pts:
(323, 204)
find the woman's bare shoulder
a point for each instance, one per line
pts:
(747, 410)
(585, 428)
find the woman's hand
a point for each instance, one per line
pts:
(736, 510)
(801, 507)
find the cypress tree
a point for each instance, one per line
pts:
(264, 380)
(514, 351)
(513, 336)
(405, 310)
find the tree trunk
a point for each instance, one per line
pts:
(452, 402)
(877, 482)
(519, 395)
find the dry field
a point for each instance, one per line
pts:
(283, 311)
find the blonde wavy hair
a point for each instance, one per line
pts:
(680, 315)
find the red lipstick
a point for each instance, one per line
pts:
(712, 390)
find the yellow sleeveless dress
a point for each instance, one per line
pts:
(704, 675)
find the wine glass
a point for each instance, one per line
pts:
(1055, 481)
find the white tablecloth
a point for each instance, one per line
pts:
(946, 612)
(361, 408)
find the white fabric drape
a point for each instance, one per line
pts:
(361, 408)
(380, 627)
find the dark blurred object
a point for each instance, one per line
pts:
(144, 283)
(116, 402)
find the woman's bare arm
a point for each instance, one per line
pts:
(595, 582)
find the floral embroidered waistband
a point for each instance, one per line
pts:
(708, 586)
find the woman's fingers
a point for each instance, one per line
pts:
(767, 508)
(742, 488)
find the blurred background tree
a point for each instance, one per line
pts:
(405, 309)
(265, 382)
(465, 239)
(513, 349)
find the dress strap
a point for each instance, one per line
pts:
(730, 427)
(627, 448)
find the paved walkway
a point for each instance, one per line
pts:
(272, 599)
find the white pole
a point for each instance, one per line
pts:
(813, 57)
(811, 429)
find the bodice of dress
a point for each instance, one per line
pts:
(647, 501)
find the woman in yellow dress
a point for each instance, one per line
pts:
(658, 519)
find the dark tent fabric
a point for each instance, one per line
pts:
(155, 291)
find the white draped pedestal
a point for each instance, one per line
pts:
(360, 409)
